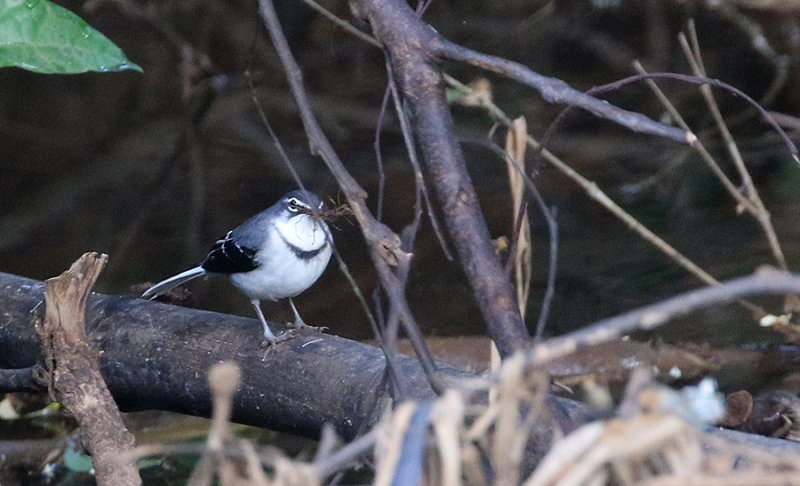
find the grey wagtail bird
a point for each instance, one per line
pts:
(276, 254)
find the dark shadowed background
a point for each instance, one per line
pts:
(151, 168)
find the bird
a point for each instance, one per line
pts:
(276, 254)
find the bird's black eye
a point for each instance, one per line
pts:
(293, 205)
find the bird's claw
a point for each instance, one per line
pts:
(301, 324)
(271, 343)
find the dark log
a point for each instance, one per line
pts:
(156, 356)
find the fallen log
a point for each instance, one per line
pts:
(156, 356)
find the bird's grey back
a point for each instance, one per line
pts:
(250, 234)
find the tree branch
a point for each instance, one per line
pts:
(557, 91)
(408, 44)
(75, 379)
(649, 317)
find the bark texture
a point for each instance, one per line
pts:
(75, 380)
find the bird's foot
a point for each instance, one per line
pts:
(301, 324)
(272, 341)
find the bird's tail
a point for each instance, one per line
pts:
(166, 285)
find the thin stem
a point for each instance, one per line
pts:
(652, 316)
(411, 150)
(345, 25)
(698, 145)
(762, 215)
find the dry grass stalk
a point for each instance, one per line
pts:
(520, 395)
(515, 148)
(390, 443)
(447, 419)
(464, 438)
(654, 443)
(656, 440)
(224, 379)
(521, 242)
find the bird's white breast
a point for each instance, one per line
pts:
(303, 232)
(281, 272)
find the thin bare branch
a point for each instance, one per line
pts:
(698, 145)
(352, 452)
(345, 25)
(685, 78)
(557, 91)
(411, 150)
(376, 145)
(652, 316)
(552, 264)
(760, 212)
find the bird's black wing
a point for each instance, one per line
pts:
(227, 256)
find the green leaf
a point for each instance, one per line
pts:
(40, 36)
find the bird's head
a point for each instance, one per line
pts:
(301, 202)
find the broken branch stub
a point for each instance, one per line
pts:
(75, 380)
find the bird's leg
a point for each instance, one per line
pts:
(299, 323)
(269, 338)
